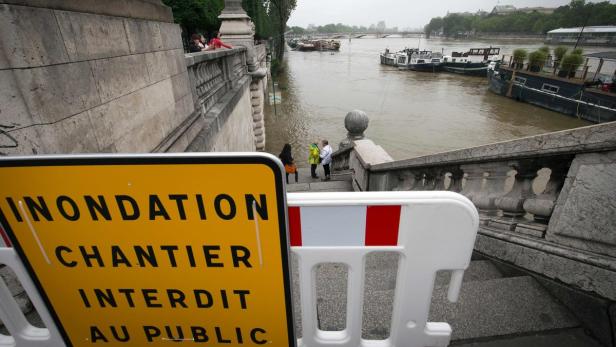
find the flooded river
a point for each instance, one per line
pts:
(411, 113)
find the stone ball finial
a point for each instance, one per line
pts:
(356, 122)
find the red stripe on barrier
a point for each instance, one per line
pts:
(5, 237)
(382, 224)
(295, 226)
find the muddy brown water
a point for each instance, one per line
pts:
(411, 113)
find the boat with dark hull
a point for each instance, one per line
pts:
(472, 63)
(400, 59)
(318, 45)
(388, 58)
(593, 100)
(425, 61)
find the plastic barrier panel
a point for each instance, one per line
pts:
(431, 231)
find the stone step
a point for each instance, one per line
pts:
(499, 307)
(478, 270)
(328, 186)
(560, 338)
(343, 175)
(486, 309)
(490, 304)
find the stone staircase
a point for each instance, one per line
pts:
(499, 306)
(340, 182)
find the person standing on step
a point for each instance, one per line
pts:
(326, 158)
(314, 159)
(289, 164)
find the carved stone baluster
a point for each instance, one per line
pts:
(456, 177)
(441, 178)
(407, 180)
(435, 179)
(542, 205)
(493, 189)
(512, 204)
(474, 180)
(419, 180)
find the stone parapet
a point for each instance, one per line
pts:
(546, 202)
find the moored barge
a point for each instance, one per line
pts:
(588, 96)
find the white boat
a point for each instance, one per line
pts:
(474, 62)
(388, 58)
(426, 61)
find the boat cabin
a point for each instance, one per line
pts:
(474, 55)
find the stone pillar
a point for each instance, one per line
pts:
(355, 122)
(238, 30)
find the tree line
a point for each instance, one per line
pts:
(201, 17)
(342, 28)
(576, 14)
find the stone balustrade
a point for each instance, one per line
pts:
(213, 74)
(228, 101)
(546, 202)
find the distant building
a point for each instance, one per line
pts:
(503, 9)
(544, 10)
(591, 36)
(510, 9)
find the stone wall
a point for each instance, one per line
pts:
(89, 76)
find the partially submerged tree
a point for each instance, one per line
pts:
(280, 12)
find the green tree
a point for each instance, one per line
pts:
(280, 12)
(257, 11)
(575, 14)
(196, 16)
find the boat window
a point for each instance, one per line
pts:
(435, 60)
(520, 80)
(420, 61)
(550, 88)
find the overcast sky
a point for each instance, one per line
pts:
(400, 13)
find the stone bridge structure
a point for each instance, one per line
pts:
(88, 77)
(331, 36)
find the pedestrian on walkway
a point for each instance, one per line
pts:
(314, 159)
(289, 164)
(326, 158)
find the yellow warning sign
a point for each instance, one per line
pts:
(149, 250)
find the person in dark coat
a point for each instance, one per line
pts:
(289, 164)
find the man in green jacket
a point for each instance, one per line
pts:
(314, 158)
